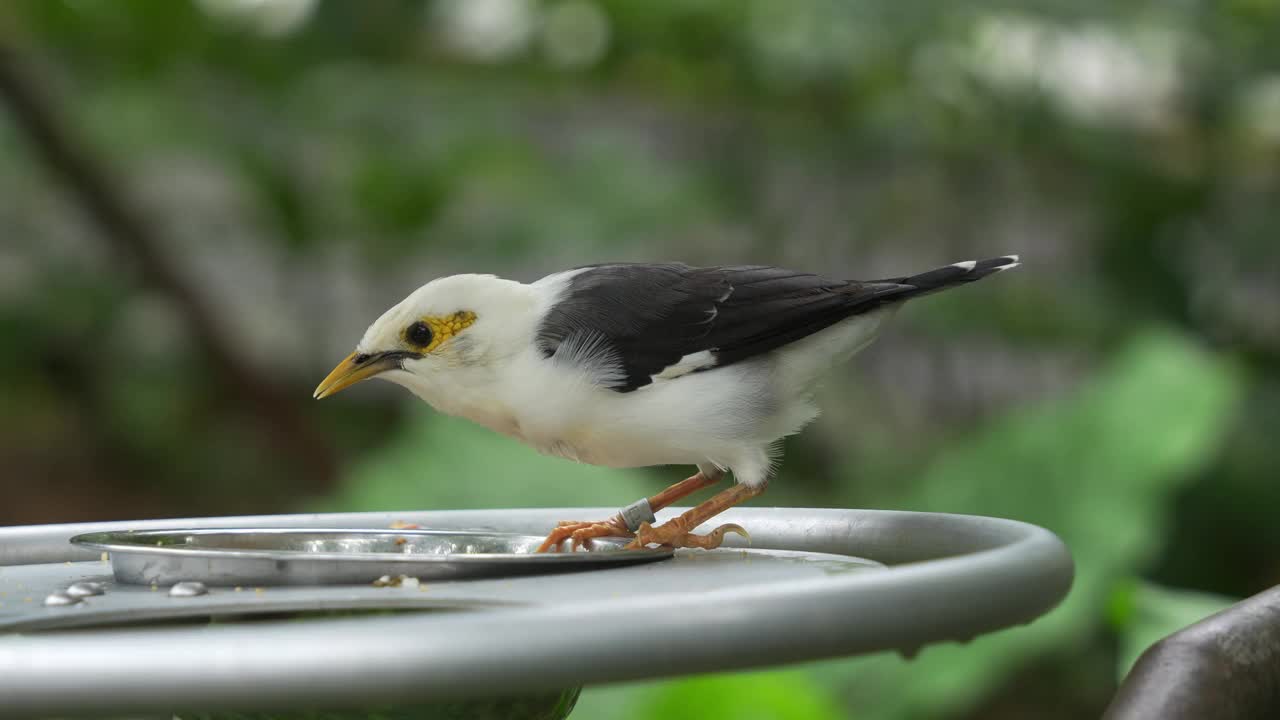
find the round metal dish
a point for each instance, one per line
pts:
(944, 578)
(298, 556)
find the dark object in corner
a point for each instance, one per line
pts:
(1225, 666)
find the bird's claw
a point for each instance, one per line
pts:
(580, 533)
(674, 534)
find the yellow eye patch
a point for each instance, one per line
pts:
(428, 333)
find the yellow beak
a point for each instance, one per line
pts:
(355, 368)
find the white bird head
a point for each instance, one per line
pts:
(449, 328)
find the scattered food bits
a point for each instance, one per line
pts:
(259, 591)
(238, 588)
(402, 525)
(86, 588)
(401, 541)
(397, 581)
(106, 557)
(188, 589)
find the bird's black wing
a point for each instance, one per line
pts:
(650, 316)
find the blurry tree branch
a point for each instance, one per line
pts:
(134, 241)
(1225, 666)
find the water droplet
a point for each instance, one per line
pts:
(85, 589)
(188, 589)
(60, 598)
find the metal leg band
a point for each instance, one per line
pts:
(636, 513)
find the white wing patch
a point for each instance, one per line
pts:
(693, 361)
(1014, 261)
(591, 354)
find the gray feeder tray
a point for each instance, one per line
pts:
(812, 584)
(310, 556)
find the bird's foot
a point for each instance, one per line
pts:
(675, 533)
(582, 532)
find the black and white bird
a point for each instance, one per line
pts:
(630, 365)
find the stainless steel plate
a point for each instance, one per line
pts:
(297, 556)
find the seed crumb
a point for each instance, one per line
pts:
(397, 581)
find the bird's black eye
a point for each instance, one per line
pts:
(360, 359)
(418, 334)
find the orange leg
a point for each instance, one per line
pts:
(675, 532)
(683, 489)
(581, 532)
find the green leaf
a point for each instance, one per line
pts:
(788, 695)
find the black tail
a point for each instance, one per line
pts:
(954, 274)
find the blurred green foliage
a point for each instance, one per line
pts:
(747, 696)
(435, 462)
(304, 164)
